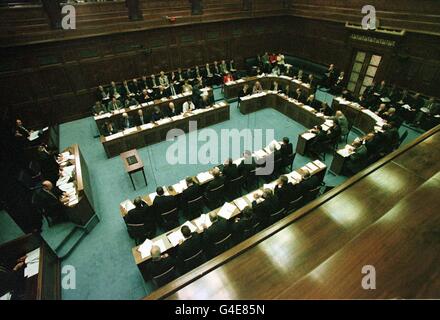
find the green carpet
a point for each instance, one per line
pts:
(104, 265)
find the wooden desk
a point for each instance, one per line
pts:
(322, 247)
(83, 212)
(147, 108)
(136, 165)
(143, 262)
(142, 136)
(232, 89)
(46, 284)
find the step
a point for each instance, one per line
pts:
(70, 243)
(57, 234)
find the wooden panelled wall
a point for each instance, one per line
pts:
(58, 81)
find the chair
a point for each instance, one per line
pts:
(221, 245)
(256, 227)
(170, 219)
(234, 187)
(137, 232)
(193, 261)
(165, 277)
(278, 165)
(251, 180)
(214, 198)
(344, 137)
(312, 194)
(288, 161)
(274, 217)
(295, 204)
(194, 208)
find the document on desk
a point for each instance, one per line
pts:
(6, 296)
(238, 161)
(32, 268)
(295, 175)
(306, 169)
(319, 164)
(346, 152)
(32, 256)
(308, 135)
(312, 167)
(127, 205)
(34, 135)
(227, 210)
(163, 121)
(67, 187)
(241, 203)
(204, 177)
(130, 130)
(180, 186)
(260, 154)
(270, 186)
(203, 220)
(291, 179)
(147, 126)
(175, 238)
(251, 198)
(114, 136)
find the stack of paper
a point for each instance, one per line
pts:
(295, 175)
(163, 121)
(114, 136)
(251, 198)
(312, 167)
(346, 152)
(238, 161)
(241, 203)
(227, 210)
(147, 126)
(62, 180)
(130, 130)
(32, 263)
(67, 187)
(260, 154)
(33, 136)
(145, 248)
(179, 187)
(127, 205)
(319, 164)
(6, 296)
(203, 220)
(204, 177)
(308, 135)
(175, 238)
(270, 186)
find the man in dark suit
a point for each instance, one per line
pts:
(140, 119)
(191, 246)
(142, 214)
(192, 191)
(286, 191)
(243, 224)
(157, 114)
(114, 91)
(218, 180)
(300, 96)
(247, 165)
(12, 278)
(265, 208)
(163, 204)
(160, 263)
(48, 198)
(217, 231)
(308, 182)
(230, 170)
(286, 149)
(125, 122)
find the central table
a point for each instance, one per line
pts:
(133, 163)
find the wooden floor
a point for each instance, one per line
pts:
(388, 218)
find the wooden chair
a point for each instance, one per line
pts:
(194, 208)
(274, 217)
(193, 262)
(137, 232)
(221, 245)
(165, 277)
(170, 219)
(215, 197)
(295, 204)
(234, 187)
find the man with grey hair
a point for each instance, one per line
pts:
(160, 263)
(219, 229)
(269, 205)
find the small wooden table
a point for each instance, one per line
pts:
(133, 163)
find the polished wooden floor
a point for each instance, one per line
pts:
(387, 217)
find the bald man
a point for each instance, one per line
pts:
(219, 229)
(160, 263)
(48, 199)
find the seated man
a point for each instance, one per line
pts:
(140, 119)
(109, 128)
(217, 231)
(99, 108)
(145, 97)
(286, 191)
(312, 102)
(245, 91)
(269, 205)
(130, 102)
(171, 110)
(114, 105)
(126, 122)
(157, 114)
(218, 180)
(102, 95)
(243, 224)
(342, 121)
(391, 135)
(186, 87)
(50, 199)
(160, 263)
(257, 88)
(227, 78)
(192, 192)
(286, 91)
(299, 96)
(205, 102)
(326, 109)
(163, 204)
(135, 87)
(275, 87)
(230, 170)
(161, 93)
(188, 105)
(163, 80)
(191, 246)
(114, 91)
(357, 160)
(20, 130)
(248, 164)
(308, 182)
(153, 82)
(223, 67)
(141, 214)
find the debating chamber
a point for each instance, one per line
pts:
(219, 150)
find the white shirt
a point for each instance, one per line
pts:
(188, 106)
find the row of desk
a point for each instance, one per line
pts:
(233, 88)
(151, 133)
(167, 241)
